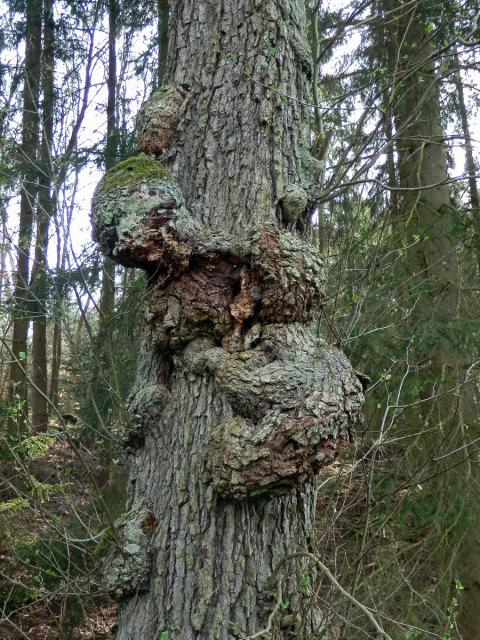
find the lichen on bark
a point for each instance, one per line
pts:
(130, 172)
(130, 207)
(295, 401)
(237, 404)
(158, 118)
(126, 568)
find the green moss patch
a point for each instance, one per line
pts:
(132, 171)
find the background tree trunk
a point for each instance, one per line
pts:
(428, 214)
(425, 208)
(469, 158)
(163, 18)
(237, 403)
(44, 213)
(28, 157)
(104, 387)
(107, 294)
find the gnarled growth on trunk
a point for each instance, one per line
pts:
(238, 404)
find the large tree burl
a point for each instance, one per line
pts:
(202, 283)
(158, 119)
(295, 401)
(237, 310)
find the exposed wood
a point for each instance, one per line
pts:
(226, 350)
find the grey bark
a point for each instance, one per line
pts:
(163, 11)
(237, 404)
(29, 149)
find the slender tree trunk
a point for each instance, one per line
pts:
(45, 211)
(105, 388)
(55, 363)
(3, 251)
(163, 17)
(29, 147)
(107, 293)
(237, 403)
(58, 305)
(469, 158)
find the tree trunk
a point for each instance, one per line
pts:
(237, 404)
(163, 18)
(427, 213)
(469, 159)
(103, 387)
(3, 251)
(29, 147)
(44, 213)
(107, 294)
(425, 207)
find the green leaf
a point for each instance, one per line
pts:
(305, 582)
(22, 355)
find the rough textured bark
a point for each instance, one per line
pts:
(237, 403)
(29, 148)
(38, 286)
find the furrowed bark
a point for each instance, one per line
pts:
(237, 404)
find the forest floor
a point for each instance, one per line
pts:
(51, 540)
(45, 503)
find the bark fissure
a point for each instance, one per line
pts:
(238, 404)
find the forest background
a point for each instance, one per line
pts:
(394, 122)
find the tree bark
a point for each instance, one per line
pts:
(428, 214)
(29, 148)
(469, 158)
(102, 386)
(163, 18)
(38, 286)
(237, 405)
(425, 207)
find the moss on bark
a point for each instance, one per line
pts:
(132, 171)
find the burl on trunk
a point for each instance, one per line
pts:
(237, 403)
